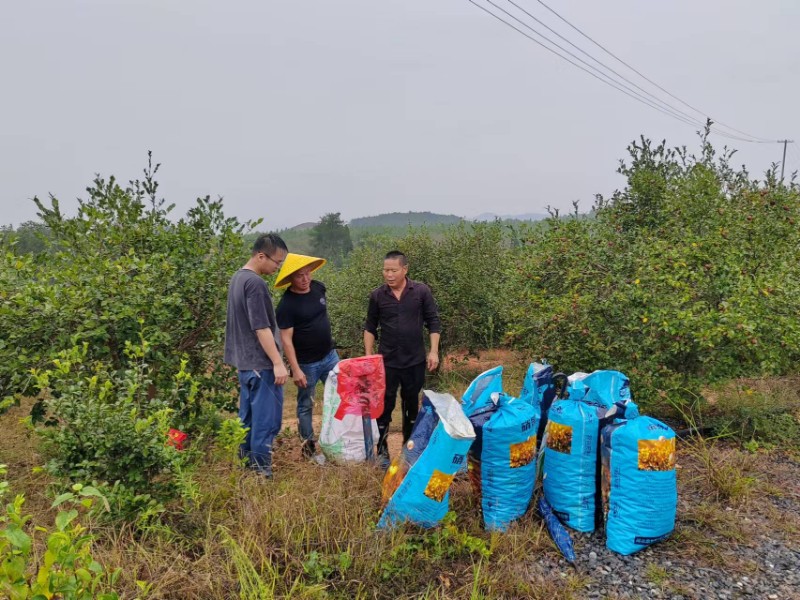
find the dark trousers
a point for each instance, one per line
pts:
(410, 381)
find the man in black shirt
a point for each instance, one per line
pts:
(306, 335)
(400, 308)
(253, 347)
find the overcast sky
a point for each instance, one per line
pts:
(291, 109)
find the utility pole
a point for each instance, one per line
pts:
(783, 162)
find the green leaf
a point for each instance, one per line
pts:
(18, 538)
(61, 498)
(95, 567)
(65, 518)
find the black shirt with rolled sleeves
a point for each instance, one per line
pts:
(249, 309)
(307, 314)
(401, 321)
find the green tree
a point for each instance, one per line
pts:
(685, 277)
(330, 238)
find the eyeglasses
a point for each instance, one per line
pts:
(277, 262)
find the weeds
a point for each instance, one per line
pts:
(311, 533)
(763, 413)
(656, 574)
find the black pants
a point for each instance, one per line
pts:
(410, 381)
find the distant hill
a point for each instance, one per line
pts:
(522, 217)
(303, 226)
(405, 219)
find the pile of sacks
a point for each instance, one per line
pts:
(597, 455)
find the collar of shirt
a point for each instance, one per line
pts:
(409, 286)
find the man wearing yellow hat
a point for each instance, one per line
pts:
(302, 316)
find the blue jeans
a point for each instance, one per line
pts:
(314, 372)
(261, 411)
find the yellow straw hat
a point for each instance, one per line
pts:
(293, 263)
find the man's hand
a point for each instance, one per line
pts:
(299, 378)
(281, 374)
(433, 361)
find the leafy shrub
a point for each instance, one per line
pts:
(461, 267)
(67, 569)
(686, 277)
(103, 425)
(119, 269)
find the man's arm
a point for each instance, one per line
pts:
(369, 343)
(433, 355)
(298, 376)
(430, 315)
(267, 342)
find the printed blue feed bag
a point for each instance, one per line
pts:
(479, 393)
(502, 466)
(607, 388)
(570, 462)
(445, 434)
(639, 483)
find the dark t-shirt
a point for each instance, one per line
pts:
(249, 309)
(308, 315)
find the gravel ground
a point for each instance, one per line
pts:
(640, 575)
(760, 559)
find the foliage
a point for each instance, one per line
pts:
(29, 238)
(686, 277)
(460, 267)
(67, 569)
(104, 426)
(231, 435)
(330, 238)
(757, 413)
(119, 269)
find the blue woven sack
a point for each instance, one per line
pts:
(607, 388)
(417, 484)
(570, 462)
(501, 461)
(639, 483)
(479, 393)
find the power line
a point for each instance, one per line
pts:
(650, 95)
(649, 100)
(607, 51)
(599, 75)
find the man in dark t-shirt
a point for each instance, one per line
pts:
(252, 345)
(306, 335)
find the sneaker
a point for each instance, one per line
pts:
(318, 459)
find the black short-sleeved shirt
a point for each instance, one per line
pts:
(401, 321)
(249, 309)
(307, 314)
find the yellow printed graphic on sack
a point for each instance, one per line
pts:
(438, 485)
(657, 455)
(522, 453)
(559, 437)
